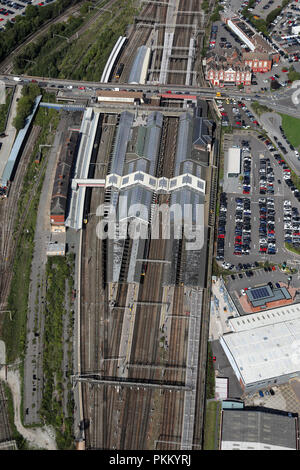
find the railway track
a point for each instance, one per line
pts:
(132, 417)
(6, 65)
(8, 214)
(5, 431)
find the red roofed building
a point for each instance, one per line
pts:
(227, 70)
(257, 62)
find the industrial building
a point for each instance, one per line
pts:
(111, 96)
(253, 40)
(251, 429)
(233, 162)
(60, 190)
(263, 349)
(138, 73)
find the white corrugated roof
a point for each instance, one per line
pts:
(263, 353)
(267, 317)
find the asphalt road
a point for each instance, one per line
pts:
(271, 122)
(224, 369)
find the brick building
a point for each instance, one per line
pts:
(227, 70)
(257, 62)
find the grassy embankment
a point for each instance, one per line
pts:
(13, 331)
(4, 109)
(59, 273)
(291, 127)
(83, 58)
(212, 412)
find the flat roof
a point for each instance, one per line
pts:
(260, 296)
(266, 317)
(119, 94)
(253, 430)
(233, 161)
(263, 353)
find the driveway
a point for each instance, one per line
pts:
(42, 438)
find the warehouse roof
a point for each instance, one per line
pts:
(266, 317)
(233, 161)
(261, 430)
(262, 353)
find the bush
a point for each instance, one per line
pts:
(25, 105)
(293, 75)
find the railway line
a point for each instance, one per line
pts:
(6, 66)
(5, 431)
(8, 215)
(132, 417)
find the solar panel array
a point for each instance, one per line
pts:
(260, 293)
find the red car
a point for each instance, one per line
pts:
(273, 268)
(223, 114)
(272, 78)
(255, 122)
(238, 123)
(221, 235)
(83, 88)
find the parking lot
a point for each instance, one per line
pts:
(236, 114)
(224, 39)
(281, 27)
(10, 9)
(264, 7)
(251, 221)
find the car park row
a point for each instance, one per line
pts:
(291, 224)
(222, 227)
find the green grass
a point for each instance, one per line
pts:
(13, 332)
(210, 374)
(292, 248)
(83, 58)
(259, 108)
(291, 127)
(59, 272)
(211, 425)
(20, 441)
(4, 110)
